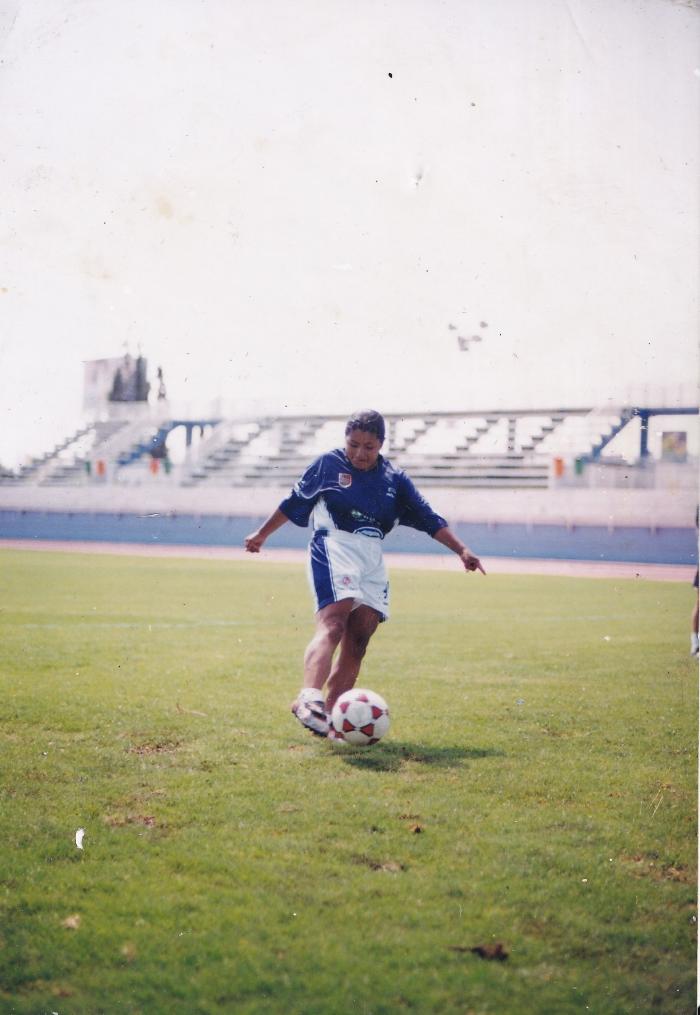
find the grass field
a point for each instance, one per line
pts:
(535, 798)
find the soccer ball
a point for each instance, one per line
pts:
(361, 716)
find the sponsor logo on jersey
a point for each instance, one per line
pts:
(344, 480)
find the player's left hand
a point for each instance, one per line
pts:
(471, 563)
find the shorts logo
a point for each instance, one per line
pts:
(346, 580)
(344, 480)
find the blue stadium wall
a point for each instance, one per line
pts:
(663, 545)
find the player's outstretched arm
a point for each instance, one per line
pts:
(255, 540)
(447, 538)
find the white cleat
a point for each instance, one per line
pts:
(310, 710)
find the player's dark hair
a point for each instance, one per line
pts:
(369, 421)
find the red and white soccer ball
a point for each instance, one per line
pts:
(361, 716)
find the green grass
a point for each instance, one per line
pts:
(537, 789)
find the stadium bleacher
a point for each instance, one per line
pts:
(504, 449)
(445, 449)
(570, 483)
(66, 462)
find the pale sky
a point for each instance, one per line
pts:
(289, 204)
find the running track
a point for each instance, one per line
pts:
(424, 561)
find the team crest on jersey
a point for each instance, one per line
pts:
(344, 479)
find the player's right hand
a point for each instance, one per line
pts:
(471, 562)
(253, 542)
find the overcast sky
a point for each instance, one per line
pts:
(306, 204)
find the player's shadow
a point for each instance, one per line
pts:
(391, 756)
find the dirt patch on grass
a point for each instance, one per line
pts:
(155, 747)
(56, 989)
(390, 866)
(122, 820)
(651, 867)
(492, 952)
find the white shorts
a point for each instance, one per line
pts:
(344, 565)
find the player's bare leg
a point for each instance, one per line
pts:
(331, 622)
(361, 625)
(309, 707)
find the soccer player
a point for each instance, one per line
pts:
(694, 646)
(354, 498)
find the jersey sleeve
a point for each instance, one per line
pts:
(306, 491)
(415, 511)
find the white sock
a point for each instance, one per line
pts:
(693, 642)
(310, 694)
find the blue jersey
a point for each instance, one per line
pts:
(336, 495)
